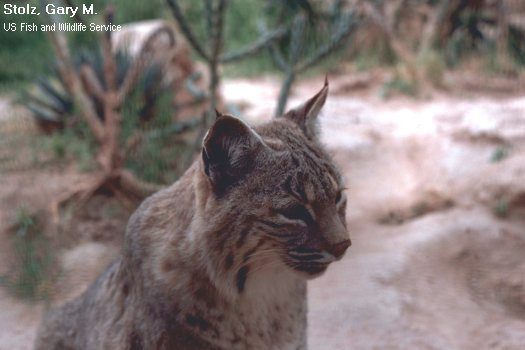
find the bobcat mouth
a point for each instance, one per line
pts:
(309, 261)
(311, 268)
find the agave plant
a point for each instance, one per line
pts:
(49, 103)
(52, 106)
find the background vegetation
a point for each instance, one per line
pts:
(33, 52)
(403, 37)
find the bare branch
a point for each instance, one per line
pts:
(296, 40)
(276, 54)
(217, 29)
(284, 93)
(502, 46)
(402, 52)
(296, 46)
(110, 156)
(433, 25)
(208, 12)
(131, 78)
(139, 62)
(263, 42)
(110, 66)
(346, 25)
(185, 29)
(216, 46)
(92, 82)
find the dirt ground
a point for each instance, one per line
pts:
(436, 213)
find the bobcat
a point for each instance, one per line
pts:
(220, 259)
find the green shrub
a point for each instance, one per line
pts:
(499, 154)
(399, 85)
(31, 273)
(501, 209)
(23, 53)
(433, 66)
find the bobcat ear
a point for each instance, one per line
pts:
(228, 152)
(306, 114)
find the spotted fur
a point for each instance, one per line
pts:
(220, 259)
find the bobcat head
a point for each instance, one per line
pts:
(275, 192)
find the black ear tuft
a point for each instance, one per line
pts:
(306, 114)
(229, 151)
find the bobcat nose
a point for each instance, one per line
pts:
(338, 249)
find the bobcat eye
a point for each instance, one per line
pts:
(338, 197)
(297, 212)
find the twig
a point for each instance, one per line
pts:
(216, 46)
(401, 51)
(91, 82)
(275, 53)
(295, 65)
(185, 29)
(208, 13)
(284, 93)
(110, 156)
(131, 78)
(296, 46)
(433, 25)
(346, 27)
(250, 50)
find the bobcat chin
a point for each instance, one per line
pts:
(220, 259)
